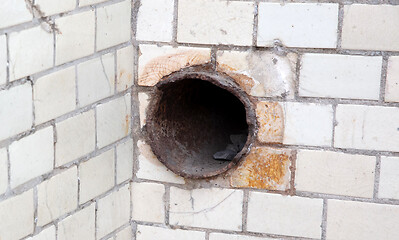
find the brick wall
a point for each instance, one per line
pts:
(75, 84)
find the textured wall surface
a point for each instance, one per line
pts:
(76, 77)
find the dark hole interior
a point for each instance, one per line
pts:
(193, 120)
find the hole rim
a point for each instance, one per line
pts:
(218, 79)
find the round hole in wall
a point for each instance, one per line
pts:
(199, 124)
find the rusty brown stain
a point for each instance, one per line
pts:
(245, 82)
(162, 66)
(127, 121)
(121, 73)
(263, 168)
(270, 119)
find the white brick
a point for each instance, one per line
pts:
(311, 25)
(159, 28)
(367, 127)
(156, 62)
(149, 232)
(31, 51)
(16, 216)
(392, 83)
(31, 156)
(206, 208)
(13, 12)
(362, 27)
(79, 226)
(263, 74)
(75, 138)
(89, 2)
(340, 76)
(152, 169)
(125, 234)
(113, 211)
(308, 124)
(96, 176)
(3, 59)
(3, 170)
(223, 236)
(124, 68)
(215, 22)
(124, 155)
(77, 39)
(57, 196)
(148, 202)
(389, 178)
(113, 24)
(335, 173)
(16, 110)
(54, 95)
(361, 221)
(50, 7)
(46, 234)
(284, 215)
(96, 79)
(143, 104)
(113, 120)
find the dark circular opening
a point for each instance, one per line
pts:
(198, 125)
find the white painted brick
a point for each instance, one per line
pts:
(389, 178)
(89, 2)
(46, 234)
(152, 169)
(148, 202)
(96, 176)
(13, 12)
(361, 221)
(367, 127)
(16, 110)
(392, 83)
(340, 76)
(54, 95)
(31, 51)
(124, 68)
(113, 120)
(79, 226)
(310, 25)
(224, 236)
(149, 232)
(16, 216)
(284, 215)
(75, 137)
(206, 208)
(57, 196)
(31, 156)
(159, 28)
(125, 234)
(113, 24)
(152, 61)
(143, 104)
(113, 211)
(215, 22)
(371, 27)
(124, 155)
(3, 59)
(50, 7)
(3, 170)
(308, 124)
(77, 39)
(335, 173)
(96, 79)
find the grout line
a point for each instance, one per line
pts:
(207, 235)
(292, 168)
(384, 69)
(95, 220)
(55, 137)
(245, 210)
(116, 77)
(334, 123)
(175, 21)
(78, 173)
(7, 35)
(115, 166)
(76, 87)
(8, 169)
(255, 24)
(95, 29)
(377, 177)
(35, 204)
(167, 204)
(96, 128)
(297, 72)
(340, 25)
(324, 220)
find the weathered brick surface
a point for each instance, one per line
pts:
(148, 232)
(148, 202)
(389, 178)
(392, 83)
(80, 225)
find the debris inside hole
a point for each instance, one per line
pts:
(197, 128)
